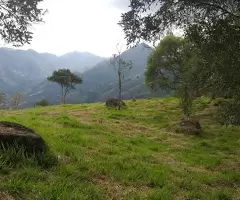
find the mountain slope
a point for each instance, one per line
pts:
(77, 61)
(21, 70)
(26, 71)
(100, 82)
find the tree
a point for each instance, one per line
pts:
(16, 100)
(212, 25)
(219, 44)
(16, 18)
(120, 66)
(174, 66)
(149, 18)
(67, 80)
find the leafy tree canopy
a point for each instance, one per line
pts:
(66, 79)
(149, 18)
(16, 19)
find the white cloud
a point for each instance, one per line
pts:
(121, 4)
(79, 25)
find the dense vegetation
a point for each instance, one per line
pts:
(128, 154)
(212, 59)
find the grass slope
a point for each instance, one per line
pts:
(127, 154)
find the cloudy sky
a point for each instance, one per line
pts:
(80, 25)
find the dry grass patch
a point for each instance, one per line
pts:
(6, 196)
(117, 191)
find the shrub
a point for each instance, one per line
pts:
(42, 102)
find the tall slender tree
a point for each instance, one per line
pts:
(120, 66)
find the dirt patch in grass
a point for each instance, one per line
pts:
(236, 196)
(82, 113)
(118, 191)
(6, 196)
(178, 140)
(167, 158)
(228, 165)
(133, 129)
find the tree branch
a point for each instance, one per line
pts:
(218, 7)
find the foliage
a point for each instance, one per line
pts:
(130, 155)
(219, 45)
(212, 25)
(42, 102)
(67, 80)
(229, 112)
(16, 18)
(175, 65)
(139, 23)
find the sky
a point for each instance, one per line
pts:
(79, 25)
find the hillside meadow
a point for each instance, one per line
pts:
(98, 153)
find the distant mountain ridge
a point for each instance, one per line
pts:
(22, 69)
(100, 82)
(27, 71)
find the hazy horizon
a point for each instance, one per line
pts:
(83, 26)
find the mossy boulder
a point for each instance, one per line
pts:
(188, 126)
(14, 135)
(114, 103)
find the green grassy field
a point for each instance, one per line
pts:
(127, 154)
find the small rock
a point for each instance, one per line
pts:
(114, 103)
(186, 126)
(16, 135)
(191, 127)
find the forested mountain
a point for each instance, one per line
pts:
(101, 81)
(26, 71)
(20, 70)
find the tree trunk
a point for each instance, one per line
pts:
(62, 100)
(65, 96)
(119, 89)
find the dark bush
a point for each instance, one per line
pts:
(42, 102)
